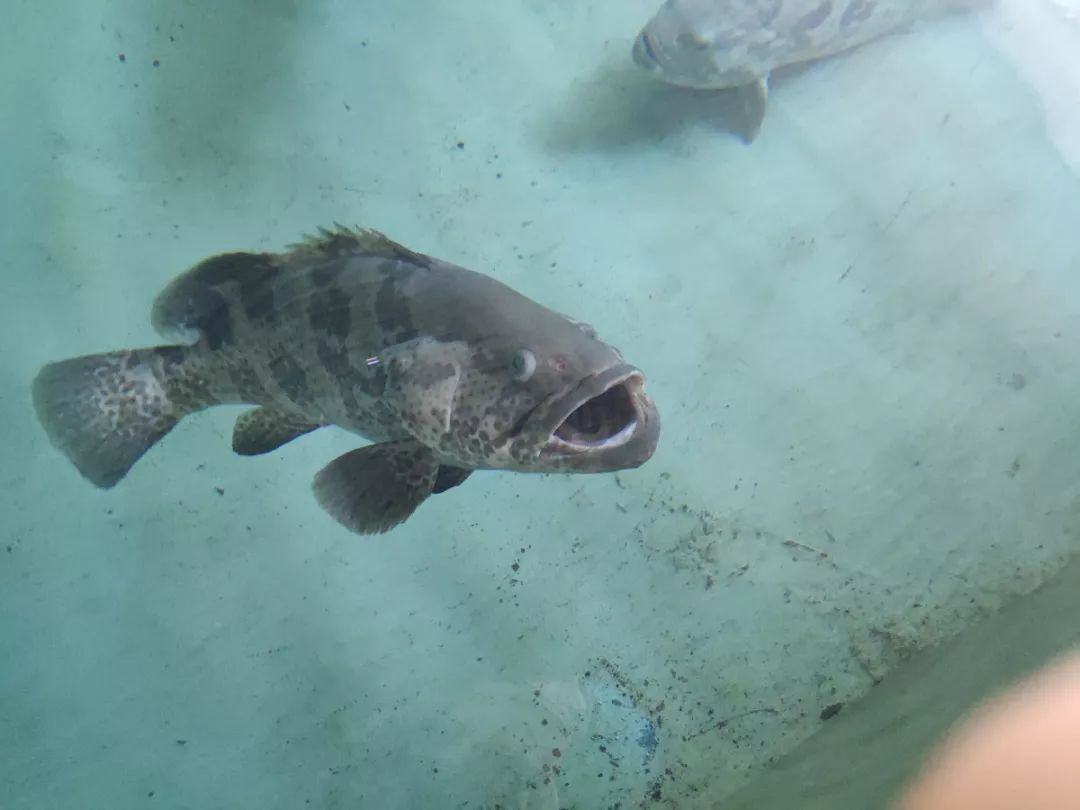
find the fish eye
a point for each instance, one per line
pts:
(522, 365)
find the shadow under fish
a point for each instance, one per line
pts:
(446, 370)
(619, 108)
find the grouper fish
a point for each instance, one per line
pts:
(737, 44)
(444, 369)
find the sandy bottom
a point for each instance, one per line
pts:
(861, 331)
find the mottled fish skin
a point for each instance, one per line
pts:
(724, 44)
(445, 369)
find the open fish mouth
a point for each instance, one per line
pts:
(607, 422)
(644, 54)
(603, 421)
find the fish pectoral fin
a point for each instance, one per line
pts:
(449, 477)
(263, 430)
(373, 489)
(753, 100)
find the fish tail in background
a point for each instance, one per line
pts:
(103, 411)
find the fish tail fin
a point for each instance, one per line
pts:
(104, 411)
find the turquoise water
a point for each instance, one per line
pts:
(861, 332)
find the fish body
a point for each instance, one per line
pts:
(738, 44)
(444, 369)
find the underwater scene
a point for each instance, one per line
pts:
(540, 405)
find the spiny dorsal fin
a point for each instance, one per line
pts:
(333, 243)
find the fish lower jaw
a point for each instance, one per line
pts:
(558, 443)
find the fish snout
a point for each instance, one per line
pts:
(609, 423)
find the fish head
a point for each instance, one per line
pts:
(510, 384)
(550, 396)
(706, 44)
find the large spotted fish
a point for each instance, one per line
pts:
(737, 44)
(445, 369)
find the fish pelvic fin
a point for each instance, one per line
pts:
(753, 101)
(375, 488)
(263, 430)
(104, 411)
(449, 477)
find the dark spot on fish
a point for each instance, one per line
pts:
(391, 309)
(245, 379)
(369, 380)
(857, 11)
(200, 299)
(257, 298)
(326, 274)
(226, 268)
(121, 57)
(171, 354)
(347, 391)
(428, 375)
(252, 275)
(815, 18)
(335, 359)
(519, 425)
(329, 312)
(291, 378)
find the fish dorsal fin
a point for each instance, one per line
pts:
(197, 300)
(333, 243)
